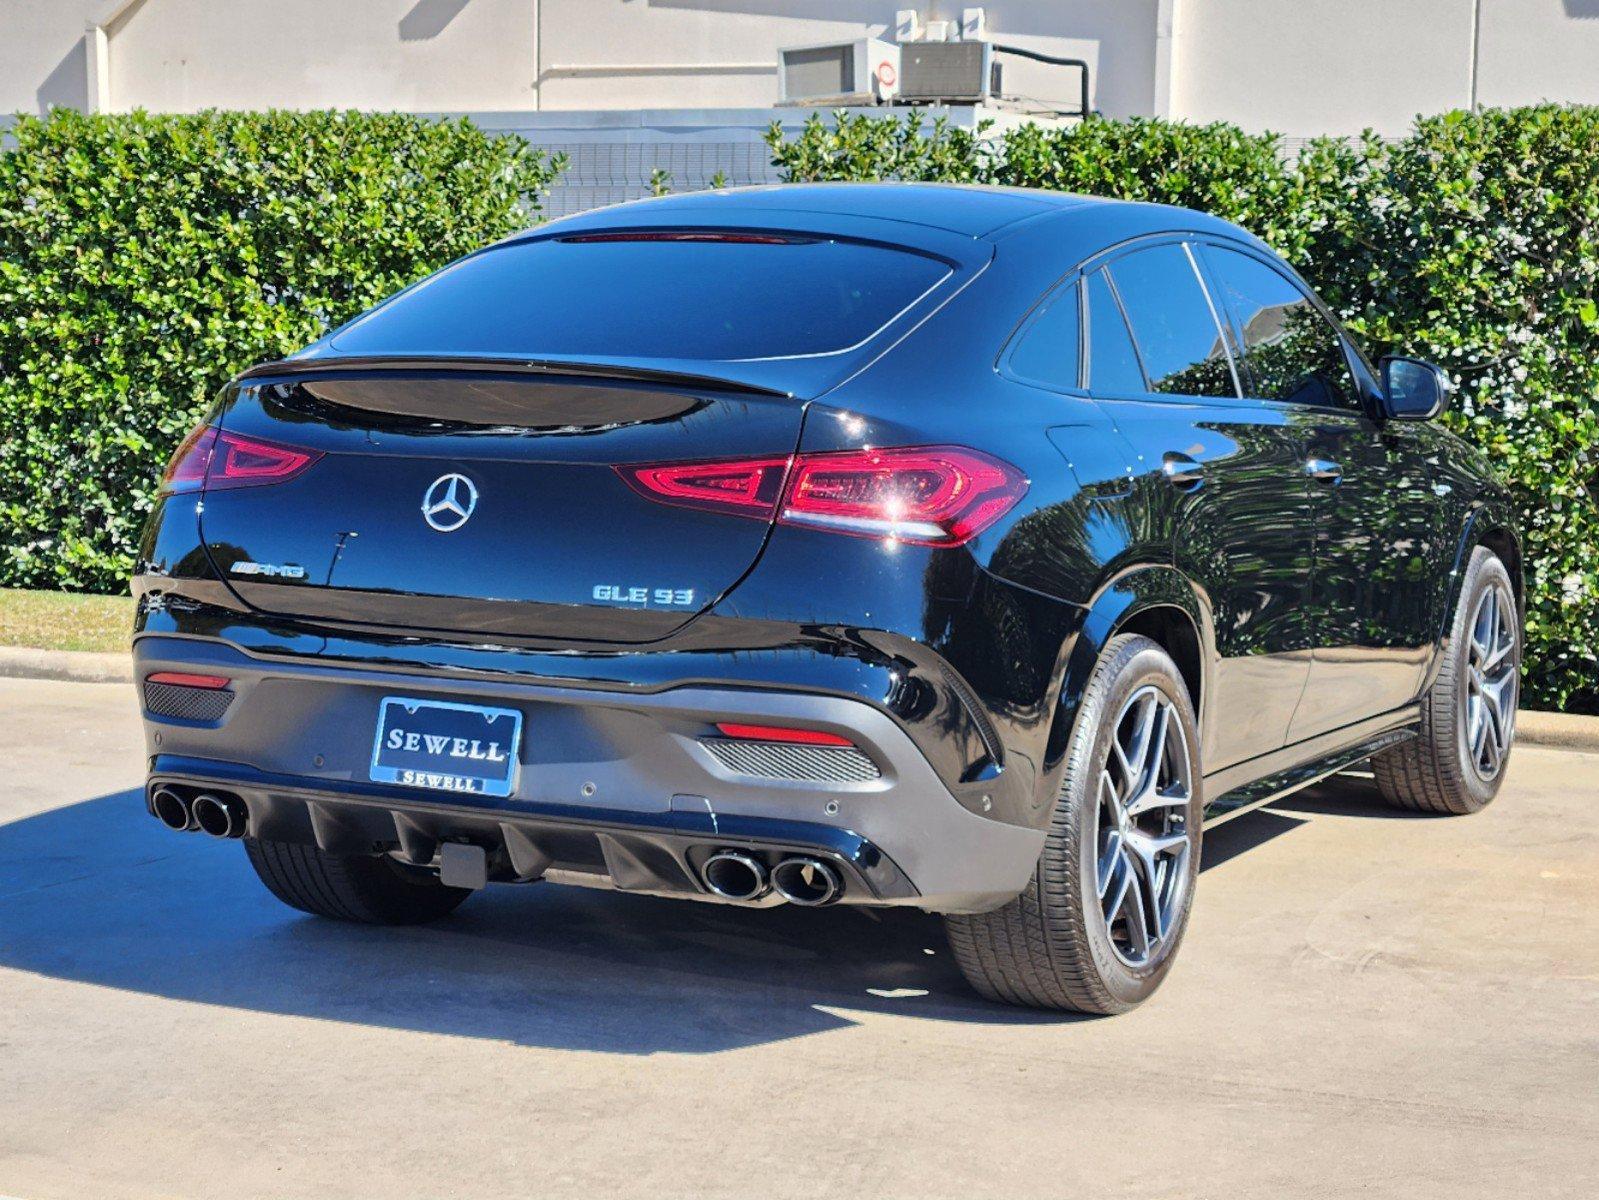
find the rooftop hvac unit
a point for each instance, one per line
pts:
(865, 71)
(958, 72)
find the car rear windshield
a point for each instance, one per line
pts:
(703, 296)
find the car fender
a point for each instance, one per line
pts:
(1118, 603)
(1489, 521)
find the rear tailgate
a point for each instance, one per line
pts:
(485, 502)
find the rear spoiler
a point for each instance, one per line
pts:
(518, 366)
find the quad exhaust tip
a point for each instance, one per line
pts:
(735, 876)
(808, 882)
(171, 809)
(798, 879)
(221, 816)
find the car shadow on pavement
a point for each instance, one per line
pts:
(100, 893)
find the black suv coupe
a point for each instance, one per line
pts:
(959, 548)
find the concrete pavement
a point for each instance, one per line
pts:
(1367, 1004)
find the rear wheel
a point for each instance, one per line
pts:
(1099, 924)
(1468, 717)
(370, 889)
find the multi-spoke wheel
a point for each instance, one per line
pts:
(1491, 679)
(1142, 835)
(1098, 924)
(1468, 717)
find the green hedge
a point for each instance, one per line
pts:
(1473, 241)
(144, 259)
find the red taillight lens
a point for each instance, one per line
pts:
(217, 459)
(781, 733)
(923, 495)
(750, 488)
(186, 470)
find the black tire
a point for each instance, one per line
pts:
(1434, 772)
(369, 889)
(1052, 947)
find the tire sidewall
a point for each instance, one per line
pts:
(1149, 665)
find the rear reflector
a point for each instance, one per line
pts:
(184, 679)
(213, 458)
(781, 733)
(923, 495)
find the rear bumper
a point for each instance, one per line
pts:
(614, 788)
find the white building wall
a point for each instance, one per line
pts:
(432, 55)
(180, 55)
(623, 53)
(1335, 66)
(41, 55)
(1533, 50)
(1302, 67)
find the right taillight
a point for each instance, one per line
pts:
(921, 495)
(214, 458)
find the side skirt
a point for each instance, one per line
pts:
(1274, 786)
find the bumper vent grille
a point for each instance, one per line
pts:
(186, 703)
(778, 760)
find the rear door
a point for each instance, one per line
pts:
(1377, 516)
(1224, 473)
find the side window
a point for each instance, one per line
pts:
(1292, 352)
(1181, 345)
(1113, 368)
(1048, 352)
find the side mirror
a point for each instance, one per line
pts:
(1413, 390)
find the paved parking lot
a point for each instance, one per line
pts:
(1367, 1004)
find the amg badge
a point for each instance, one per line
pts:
(269, 570)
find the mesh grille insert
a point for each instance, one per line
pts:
(186, 703)
(779, 760)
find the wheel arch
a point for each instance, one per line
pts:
(1156, 601)
(1492, 525)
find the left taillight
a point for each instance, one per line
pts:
(214, 458)
(920, 495)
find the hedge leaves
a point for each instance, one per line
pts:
(145, 259)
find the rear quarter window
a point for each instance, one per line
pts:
(705, 296)
(1048, 351)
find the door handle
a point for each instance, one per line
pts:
(1324, 468)
(1182, 471)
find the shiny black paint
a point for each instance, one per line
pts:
(981, 652)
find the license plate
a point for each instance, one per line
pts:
(465, 748)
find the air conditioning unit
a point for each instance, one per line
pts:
(946, 72)
(864, 71)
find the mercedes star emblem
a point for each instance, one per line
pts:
(448, 502)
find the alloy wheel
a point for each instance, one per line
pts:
(1143, 839)
(1492, 677)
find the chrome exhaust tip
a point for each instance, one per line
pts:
(735, 876)
(171, 809)
(220, 816)
(808, 882)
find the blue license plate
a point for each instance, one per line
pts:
(465, 748)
